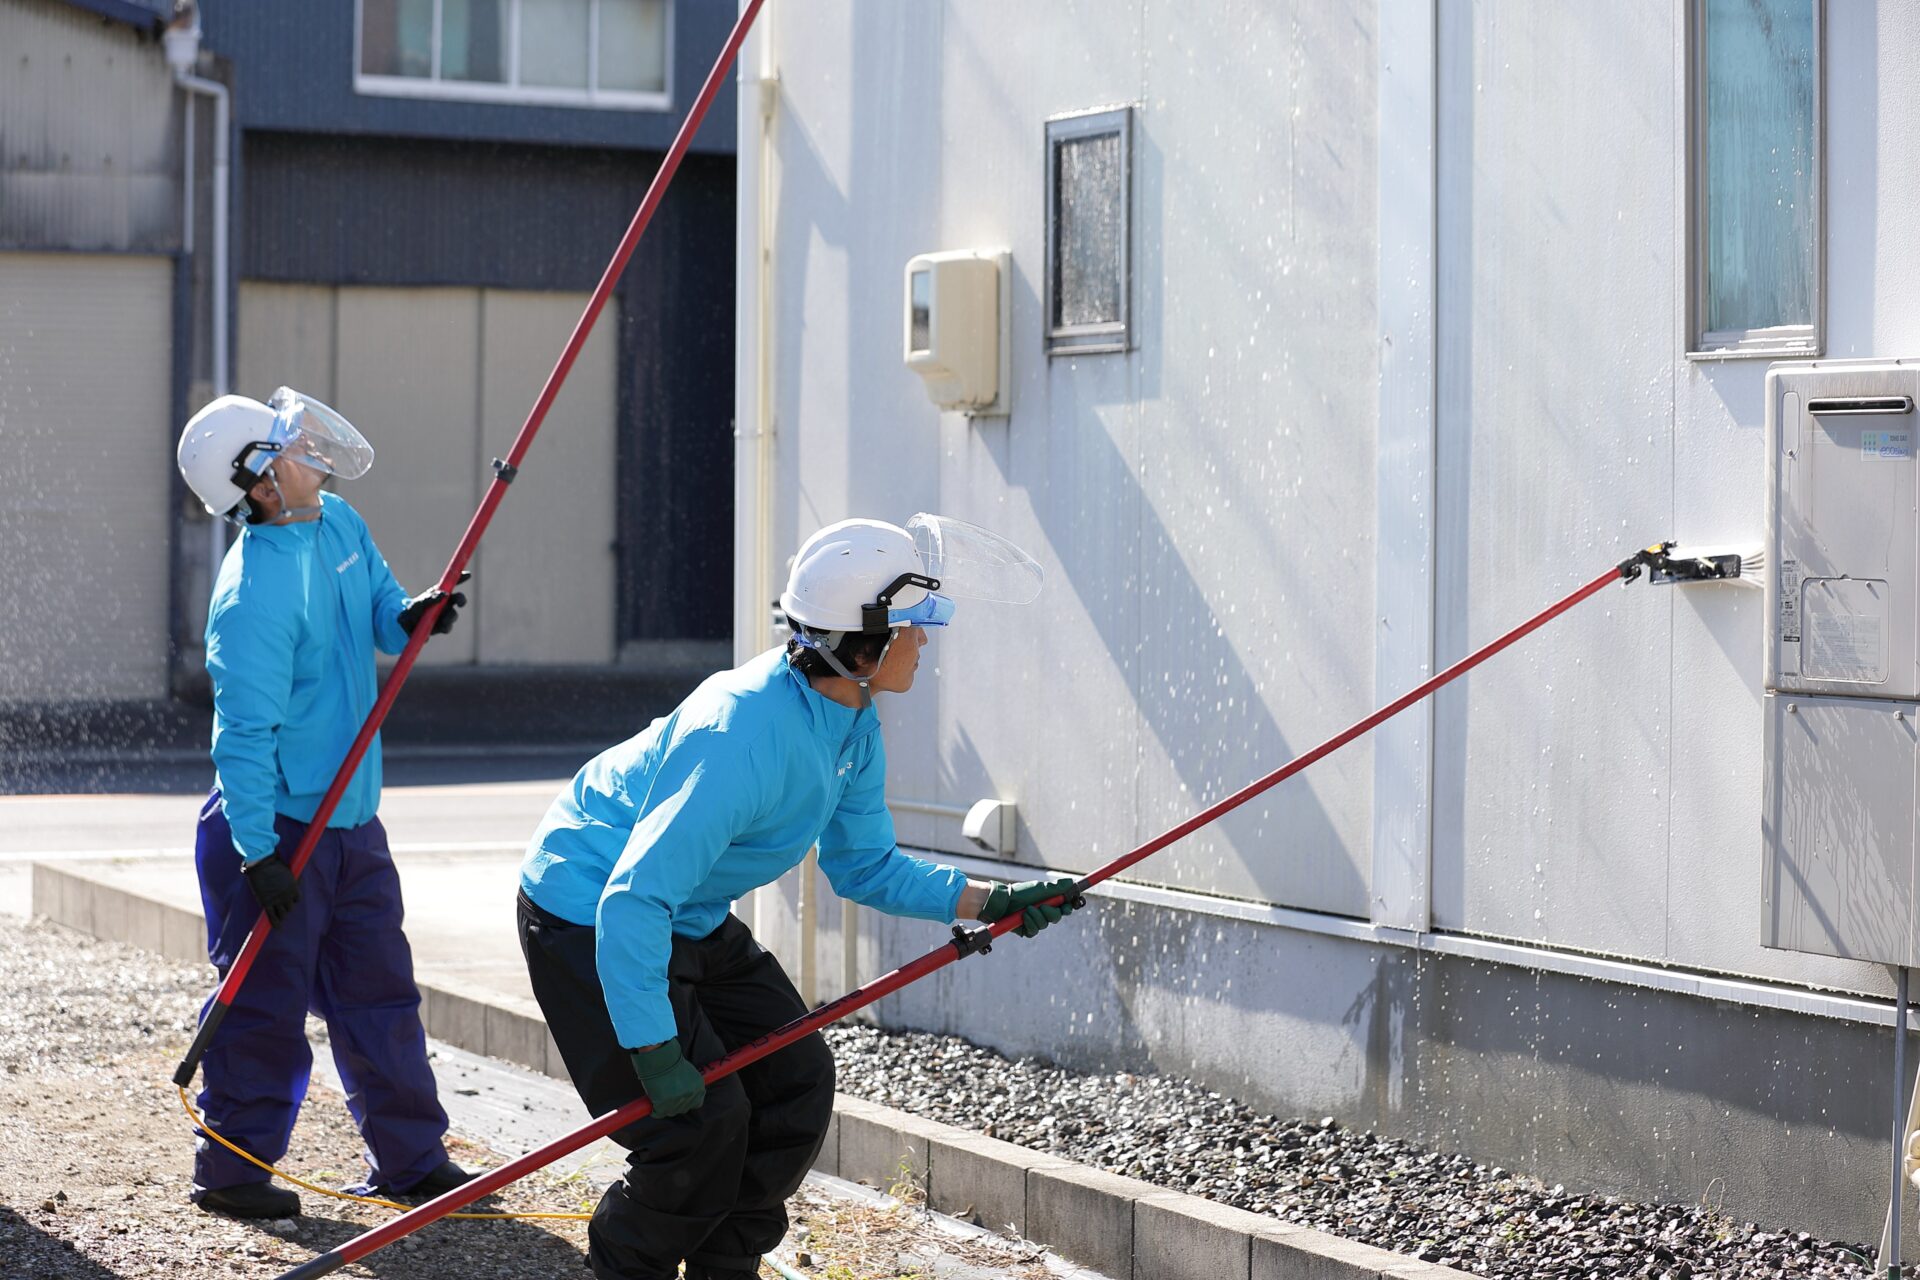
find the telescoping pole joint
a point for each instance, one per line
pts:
(972, 942)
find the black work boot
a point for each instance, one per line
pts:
(448, 1176)
(249, 1200)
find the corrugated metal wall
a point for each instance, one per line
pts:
(349, 210)
(86, 373)
(440, 380)
(90, 135)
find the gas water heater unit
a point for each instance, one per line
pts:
(956, 328)
(1842, 702)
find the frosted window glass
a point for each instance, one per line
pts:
(1759, 189)
(396, 38)
(1090, 266)
(633, 45)
(473, 40)
(553, 43)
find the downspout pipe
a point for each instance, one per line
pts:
(182, 43)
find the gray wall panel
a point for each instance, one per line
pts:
(1256, 298)
(1552, 464)
(86, 376)
(90, 120)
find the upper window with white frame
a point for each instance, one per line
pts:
(581, 53)
(1089, 276)
(1756, 177)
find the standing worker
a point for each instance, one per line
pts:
(302, 601)
(625, 895)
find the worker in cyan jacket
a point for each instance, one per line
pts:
(642, 972)
(302, 601)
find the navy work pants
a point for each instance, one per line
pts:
(340, 953)
(709, 1186)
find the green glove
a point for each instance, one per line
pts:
(672, 1083)
(1027, 898)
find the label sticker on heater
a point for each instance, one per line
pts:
(1790, 601)
(1884, 446)
(1846, 630)
(1844, 646)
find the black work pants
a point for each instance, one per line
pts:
(709, 1186)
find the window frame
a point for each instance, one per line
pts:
(1796, 340)
(1107, 336)
(433, 87)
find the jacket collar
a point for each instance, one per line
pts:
(830, 721)
(283, 535)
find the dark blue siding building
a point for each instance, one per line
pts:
(504, 144)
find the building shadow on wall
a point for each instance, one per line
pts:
(1207, 711)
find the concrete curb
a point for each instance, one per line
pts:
(1123, 1228)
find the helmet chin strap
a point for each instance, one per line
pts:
(286, 512)
(826, 651)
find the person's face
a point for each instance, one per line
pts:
(299, 484)
(902, 661)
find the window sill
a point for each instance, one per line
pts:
(1795, 351)
(517, 95)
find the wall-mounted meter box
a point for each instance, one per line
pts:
(956, 328)
(1842, 660)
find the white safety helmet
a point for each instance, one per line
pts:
(862, 576)
(229, 445)
(868, 577)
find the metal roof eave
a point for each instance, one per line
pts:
(133, 13)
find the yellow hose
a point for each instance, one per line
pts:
(201, 1125)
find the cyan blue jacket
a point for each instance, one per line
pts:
(296, 614)
(657, 836)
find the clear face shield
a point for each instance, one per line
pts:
(974, 563)
(963, 561)
(310, 433)
(314, 435)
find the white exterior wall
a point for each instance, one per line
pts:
(1407, 277)
(1202, 504)
(1207, 505)
(1599, 788)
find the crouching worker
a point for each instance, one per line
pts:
(302, 601)
(643, 974)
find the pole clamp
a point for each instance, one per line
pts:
(505, 471)
(972, 942)
(1663, 566)
(1652, 559)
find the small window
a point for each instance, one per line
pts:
(586, 53)
(1089, 232)
(1755, 178)
(920, 319)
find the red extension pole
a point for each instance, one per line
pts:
(504, 472)
(965, 942)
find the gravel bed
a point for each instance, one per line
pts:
(96, 1154)
(96, 1157)
(1439, 1207)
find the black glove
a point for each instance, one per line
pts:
(1028, 899)
(672, 1083)
(273, 885)
(418, 606)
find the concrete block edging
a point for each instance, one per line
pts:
(1121, 1227)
